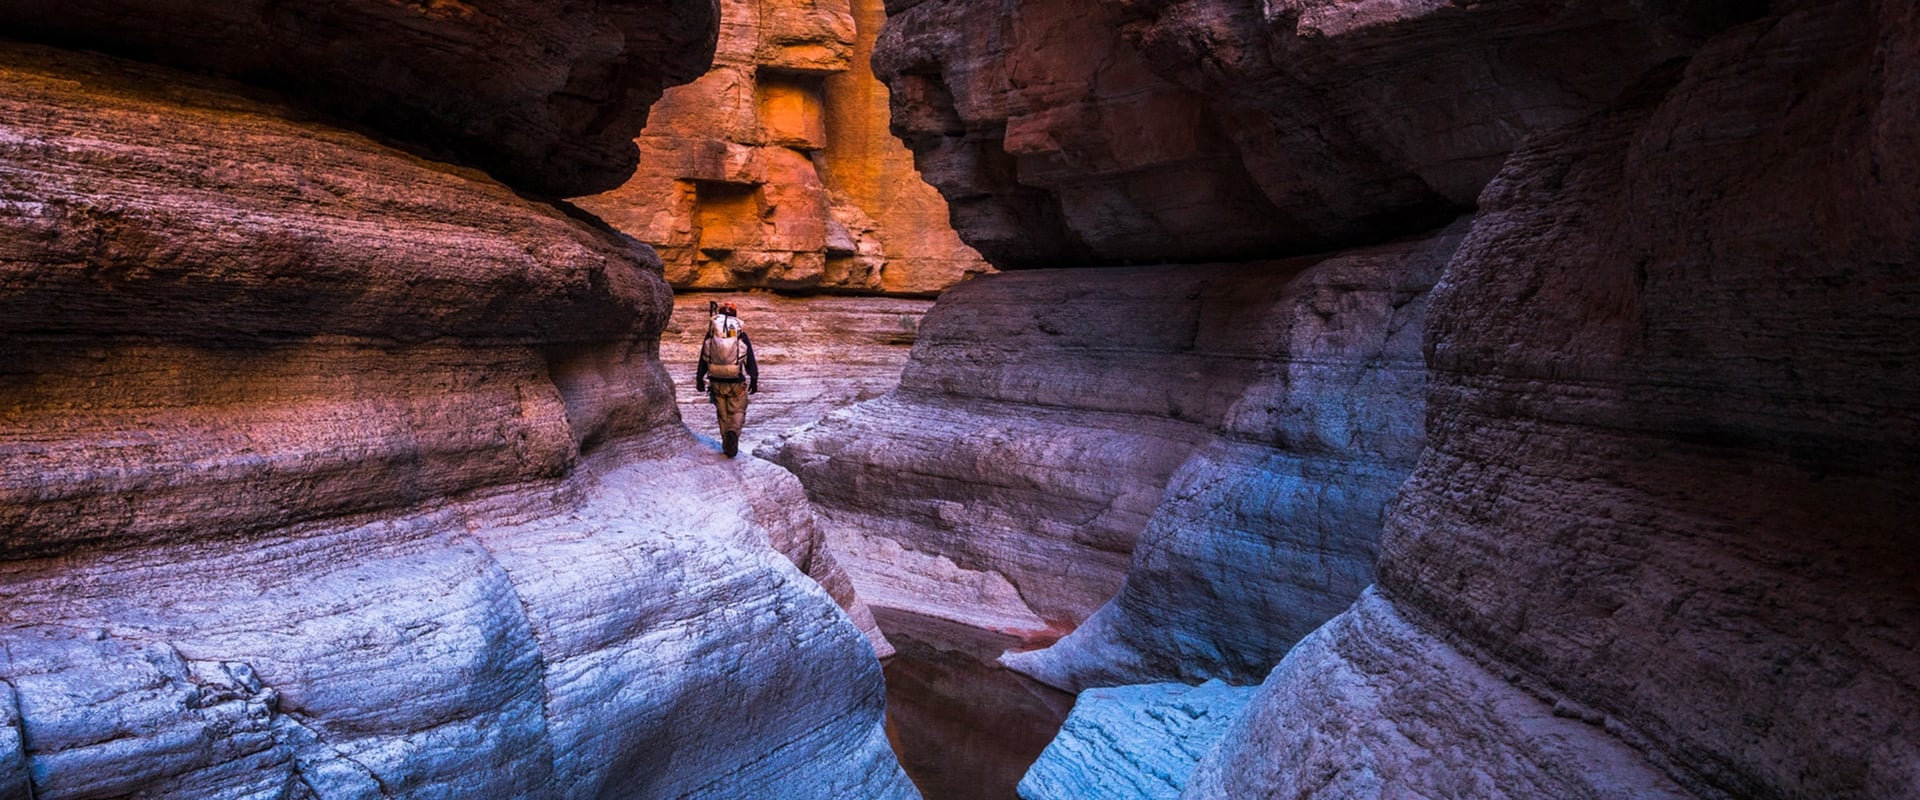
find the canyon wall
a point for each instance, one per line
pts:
(1652, 544)
(1037, 429)
(327, 470)
(545, 97)
(775, 168)
(1670, 476)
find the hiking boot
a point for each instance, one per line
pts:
(730, 443)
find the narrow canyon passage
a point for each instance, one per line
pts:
(1188, 400)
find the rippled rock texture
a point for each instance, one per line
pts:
(776, 170)
(1671, 465)
(544, 96)
(1044, 414)
(1134, 741)
(1656, 540)
(329, 471)
(1113, 132)
(816, 355)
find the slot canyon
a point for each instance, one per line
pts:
(1201, 399)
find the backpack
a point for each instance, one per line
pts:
(722, 349)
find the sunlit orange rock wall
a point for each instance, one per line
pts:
(776, 169)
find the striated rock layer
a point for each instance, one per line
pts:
(1134, 741)
(775, 169)
(544, 96)
(1044, 414)
(816, 355)
(1670, 477)
(328, 471)
(1656, 540)
(1094, 133)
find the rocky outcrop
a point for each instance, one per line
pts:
(775, 169)
(1671, 465)
(329, 471)
(545, 97)
(1044, 414)
(1068, 133)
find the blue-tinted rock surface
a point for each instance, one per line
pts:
(1139, 741)
(329, 471)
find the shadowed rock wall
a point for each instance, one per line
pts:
(329, 471)
(1070, 133)
(1653, 545)
(545, 97)
(1043, 414)
(1671, 466)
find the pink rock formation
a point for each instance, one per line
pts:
(329, 471)
(544, 96)
(775, 169)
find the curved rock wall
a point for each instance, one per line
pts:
(1670, 472)
(1654, 543)
(329, 471)
(1044, 413)
(544, 96)
(1067, 133)
(775, 169)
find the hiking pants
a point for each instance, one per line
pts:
(730, 401)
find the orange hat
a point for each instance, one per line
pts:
(729, 310)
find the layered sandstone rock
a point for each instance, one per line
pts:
(544, 96)
(1671, 471)
(775, 169)
(1070, 133)
(1044, 413)
(1653, 546)
(331, 471)
(816, 355)
(1134, 741)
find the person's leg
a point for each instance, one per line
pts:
(731, 403)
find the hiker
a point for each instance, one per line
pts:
(726, 361)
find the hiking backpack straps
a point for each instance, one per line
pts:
(723, 350)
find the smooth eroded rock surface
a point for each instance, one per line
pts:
(1139, 741)
(1373, 705)
(1670, 468)
(1043, 415)
(1067, 133)
(544, 96)
(329, 471)
(776, 170)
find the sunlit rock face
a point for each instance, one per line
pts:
(329, 471)
(1067, 133)
(776, 170)
(544, 96)
(1670, 477)
(1045, 413)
